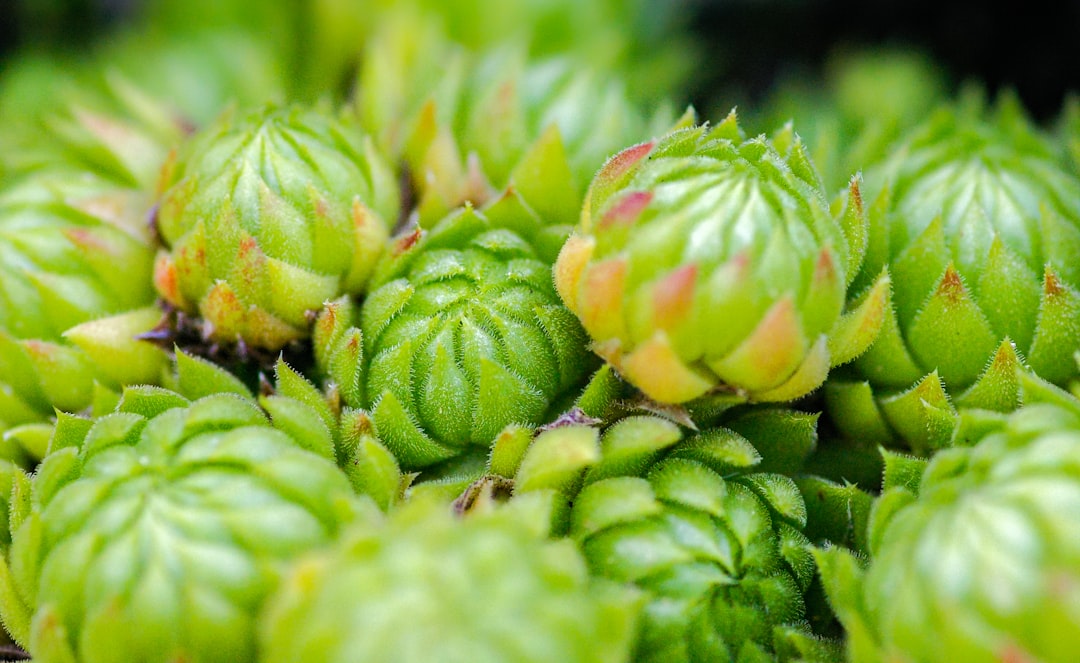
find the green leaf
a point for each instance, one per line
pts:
(950, 334)
(558, 458)
(302, 423)
(630, 445)
(199, 377)
(835, 512)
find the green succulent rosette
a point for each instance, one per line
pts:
(462, 334)
(700, 521)
(155, 532)
(703, 519)
(267, 215)
(706, 263)
(979, 226)
(464, 122)
(974, 555)
(75, 291)
(430, 585)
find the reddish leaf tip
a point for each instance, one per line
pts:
(951, 285)
(1052, 285)
(625, 160)
(627, 210)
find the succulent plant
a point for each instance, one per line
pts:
(975, 558)
(465, 122)
(698, 522)
(707, 263)
(267, 215)
(429, 585)
(462, 334)
(75, 266)
(156, 531)
(979, 226)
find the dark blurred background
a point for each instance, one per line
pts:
(1033, 48)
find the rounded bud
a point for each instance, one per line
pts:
(154, 532)
(984, 563)
(268, 215)
(429, 586)
(463, 334)
(706, 262)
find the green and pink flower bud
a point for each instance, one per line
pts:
(707, 263)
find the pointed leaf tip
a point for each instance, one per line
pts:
(623, 162)
(951, 285)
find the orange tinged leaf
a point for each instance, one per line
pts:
(624, 161)
(165, 281)
(569, 266)
(857, 330)
(809, 376)
(951, 287)
(656, 369)
(770, 354)
(406, 242)
(224, 311)
(673, 296)
(601, 299)
(611, 176)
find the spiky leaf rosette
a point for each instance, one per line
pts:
(429, 585)
(705, 262)
(699, 522)
(979, 226)
(463, 333)
(316, 419)
(75, 290)
(267, 215)
(467, 124)
(977, 559)
(155, 532)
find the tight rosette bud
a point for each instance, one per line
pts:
(154, 533)
(977, 560)
(75, 291)
(267, 216)
(428, 585)
(704, 262)
(702, 523)
(979, 226)
(463, 334)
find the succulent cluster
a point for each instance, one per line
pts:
(428, 332)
